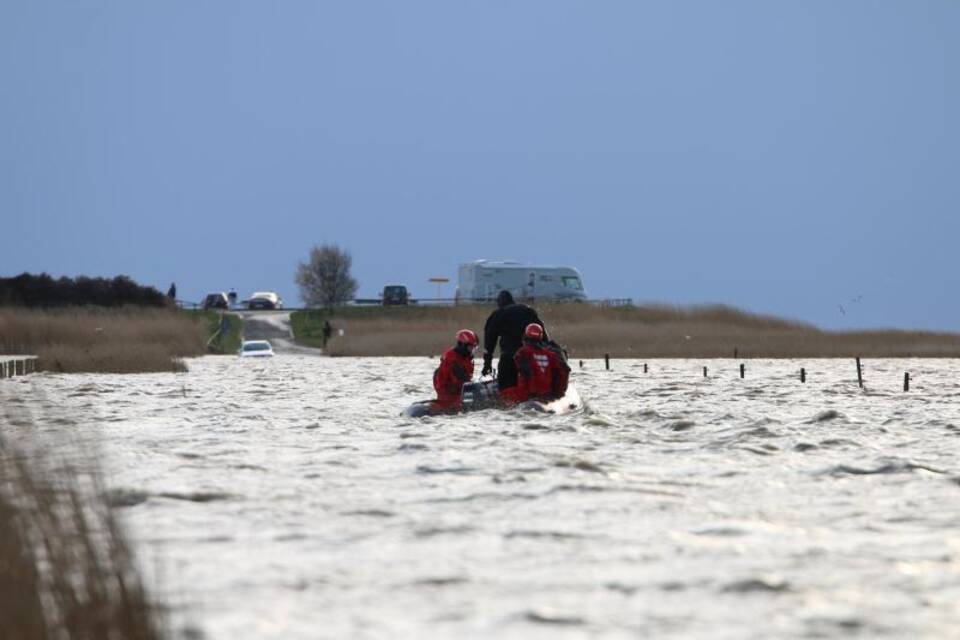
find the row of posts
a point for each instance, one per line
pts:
(803, 372)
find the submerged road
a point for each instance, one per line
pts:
(275, 327)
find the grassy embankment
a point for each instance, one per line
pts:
(66, 569)
(111, 340)
(307, 326)
(624, 332)
(225, 342)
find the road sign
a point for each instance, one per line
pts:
(439, 282)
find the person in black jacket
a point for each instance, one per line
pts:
(506, 325)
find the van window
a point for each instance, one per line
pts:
(571, 282)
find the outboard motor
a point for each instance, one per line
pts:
(479, 395)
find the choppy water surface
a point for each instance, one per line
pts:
(288, 499)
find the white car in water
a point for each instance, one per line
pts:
(256, 349)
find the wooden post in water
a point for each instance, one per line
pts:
(859, 373)
(644, 367)
(906, 381)
(704, 372)
(606, 359)
(743, 370)
(803, 374)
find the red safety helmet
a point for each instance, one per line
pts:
(467, 337)
(533, 332)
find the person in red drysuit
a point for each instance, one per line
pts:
(542, 372)
(456, 367)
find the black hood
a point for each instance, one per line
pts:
(504, 298)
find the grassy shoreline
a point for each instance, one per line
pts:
(116, 340)
(624, 332)
(106, 340)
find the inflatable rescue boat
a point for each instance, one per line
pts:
(477, 396)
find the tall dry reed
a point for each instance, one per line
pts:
(652, 331)
(66, 569)
(91, 339)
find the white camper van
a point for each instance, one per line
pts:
(482, 280)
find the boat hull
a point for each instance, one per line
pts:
(479, 396)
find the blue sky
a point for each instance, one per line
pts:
(784, 157)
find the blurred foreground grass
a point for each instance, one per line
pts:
(66, 568)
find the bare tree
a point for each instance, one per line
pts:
(325, 278)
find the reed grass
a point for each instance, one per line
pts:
(103, 340)
(650, 331)
(66, 569)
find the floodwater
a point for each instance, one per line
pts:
(288, 499)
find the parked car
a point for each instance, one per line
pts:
(256, 349)
(395, 294)
(216, 301)
(264, 300)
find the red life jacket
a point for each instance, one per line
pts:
(448, 379)
(541, 375)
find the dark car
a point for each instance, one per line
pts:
(216, 301)
(395, 294)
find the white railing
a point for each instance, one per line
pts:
(11, 366)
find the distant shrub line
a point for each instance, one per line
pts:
(28, 290)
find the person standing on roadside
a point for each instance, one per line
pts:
(327, 332)
(506, 326)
